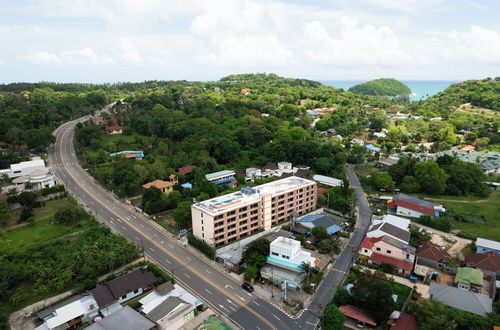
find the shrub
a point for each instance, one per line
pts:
(466, 235)
(160, 274)
(201, 245)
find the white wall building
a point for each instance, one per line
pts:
(23, 168)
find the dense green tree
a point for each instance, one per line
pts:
(4, 212)
(333, 318)
(430, 177)
(382, 180)
(182, 214)
(70, 215)
(256, 253)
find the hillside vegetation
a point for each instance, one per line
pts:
(382, 87)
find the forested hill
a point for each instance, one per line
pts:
(272, 79)
(483, 93)
(382, 87)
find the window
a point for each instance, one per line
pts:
(202, 215)
(275, 254)
(136, 291)
(407, 256)
(366, 250)
(285, 257)
(378, 249)
(124, 296)
(389, 251)
(202, 235)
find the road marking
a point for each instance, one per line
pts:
(208, 271)
(310, 323)
(258, 328)
(223, 307)
(187, 275)
(188, 258)
(239, 297)
(118, 219)
(168, 262)
(170, 245)
(111, 221)
(161, 242)
(234, 310)
(151, 249)
(227, 286)
(124, 228)
(277, 317)
(232, 303)
(248, 294)
(256, 303)
(208, 291)
(137, 238)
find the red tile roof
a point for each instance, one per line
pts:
(406, 321)
(400, 264)
(321, 191)
(429, 251)
(368, 242)
(429, 210)
(114, 128)
(358, 314)
(186, 169)
(487, 261)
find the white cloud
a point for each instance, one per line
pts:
(71, 57)
(127, 51)
(407, 6)
(1, 62)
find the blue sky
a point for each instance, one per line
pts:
(131, 40)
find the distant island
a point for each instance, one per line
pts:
(382, 87)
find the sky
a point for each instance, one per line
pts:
(136, 40)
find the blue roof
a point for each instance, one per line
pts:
(225, 180)
(322, 220)
(372, 147)
(284, 263)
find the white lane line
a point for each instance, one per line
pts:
(227, 286)
(137, 238)
(170, 245)
(256, 303)
(248, 294)
(161, 242)
(117, 219)
(239, 297)
(208, 271)
(111, 221)
(223, 307)
(151, 249)
(208, 291)
(124, 228)
(188, 258)
(234, 310)
(101, 210)
(187, 275)
(277, 317)
(232, 303)
(309, 323)
(258, 328)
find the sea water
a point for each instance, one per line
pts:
(421, 89)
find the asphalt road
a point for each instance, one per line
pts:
(222, 293)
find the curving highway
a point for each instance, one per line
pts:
(221, 292)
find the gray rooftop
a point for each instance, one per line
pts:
(392, 230)
(164, 308)
(123, 319)
(461, 299)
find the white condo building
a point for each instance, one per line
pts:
(224, 219)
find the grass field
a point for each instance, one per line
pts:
(43, 230)
(402, 291)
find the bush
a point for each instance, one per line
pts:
(442, 224)
(466, 235)
(52, 190)
(160, 274)
(386, 268)
(201, 246)
(251, 272)
(26, 214)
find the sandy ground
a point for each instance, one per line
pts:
(451, 248)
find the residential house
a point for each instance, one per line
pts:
(385, 163)
(327, 181)
(125, 318)
(36, 180)
(121, 289)
(69, 313)
(23, 168)
(245, 91)
(387, 229)
(379, 135)
(388, 250)
(358, 142)
(129, 154)
(370, 147)
(100, 121)
(405, 321)
(393, 220)
(312, 113)
(169, 306)
(486, 245)
(114, 128)
(222, 177)
(463, 300)
(165, 186)
(469, 279)
(488, 263)
(173, 179)
(430, 255)
(186, 169)
(358, 314)
(284, 263)
(413, 207)
(331, 223)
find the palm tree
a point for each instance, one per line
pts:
(307, 270)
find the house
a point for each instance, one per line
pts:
(245, 91)
(488, 263)
(186, 169)
(469, 278)
(486, 245)
(223, 177)
(327, 221)
(405, 321)
(413, 207)
(36, 180)
(169, 306)
(388, 250)
(187, 185)
(379, 135)
(173, 179)
(327, 181)
(100, 121)
(284, 263)
(385, 163)
(387, 229)
(393, 220)
(372, 148)
(165, 186)
(23, 168)
(114, 129)
(129, 154)
(432, 256)
(312, 113)
(69, 313)
(463, 300)
(357, 314)
(125, 318)
(122, 289)
(324, 111)
(358, 142)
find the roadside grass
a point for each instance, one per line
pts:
(107, 140)
(214, 323)
(43, 230)
(49, 209)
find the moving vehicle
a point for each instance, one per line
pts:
(247, 286)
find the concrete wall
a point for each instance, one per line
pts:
(408, 213)
(203, 225)
(395, 252)
(130, 295)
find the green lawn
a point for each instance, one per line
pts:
(214, 323)
(43, 230)
(402, 291)
(48, 210)
(106, 140)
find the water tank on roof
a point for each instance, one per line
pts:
(249, 191)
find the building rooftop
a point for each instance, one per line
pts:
(160, 184)
(469, 276)
(487, 261)
(125, 318)
(326, 180)
(249, 195)
(461, 299)
(430, 251)
(358, 314)
(494, 245)
(215, 175)
(391, 230)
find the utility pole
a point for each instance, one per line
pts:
(272, 282)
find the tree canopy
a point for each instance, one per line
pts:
(382, 87)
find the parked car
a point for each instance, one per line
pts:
(450, 239)
(247, 286)
(360, 324)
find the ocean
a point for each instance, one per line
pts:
(421, 89)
